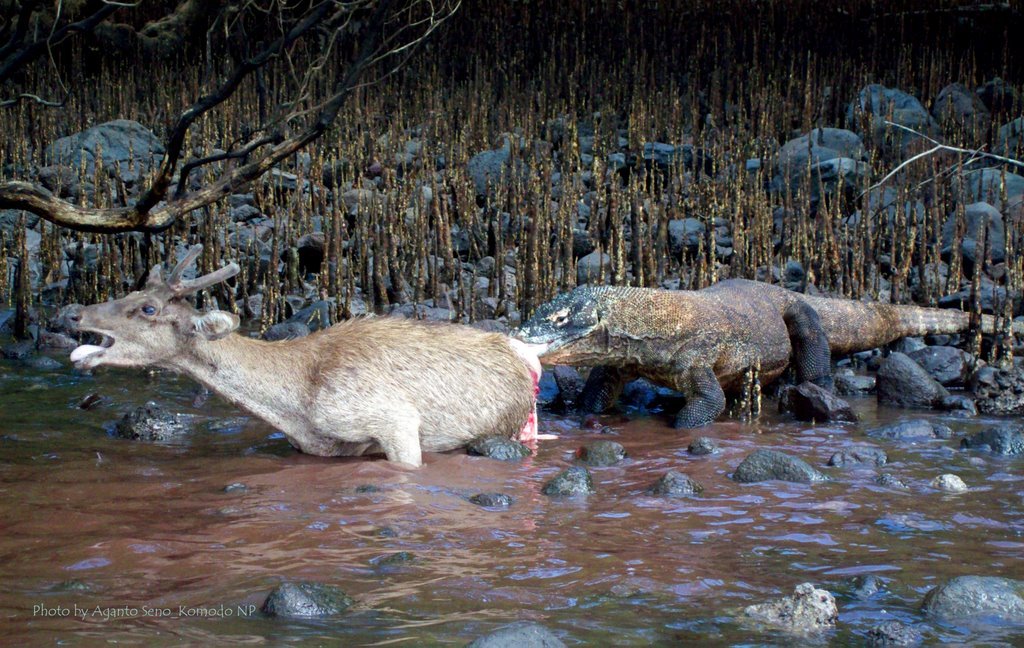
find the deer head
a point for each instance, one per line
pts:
(151, 326)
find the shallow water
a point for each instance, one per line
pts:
(144, 528)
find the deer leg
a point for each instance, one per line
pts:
(811, 354)
(705, 399)
(401, 443)
(602, 389)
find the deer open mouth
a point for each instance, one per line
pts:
(86, 355)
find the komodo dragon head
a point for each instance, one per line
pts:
(569, 325)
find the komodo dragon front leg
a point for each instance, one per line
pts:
(705, 399)
(811, 355)
(603, 387)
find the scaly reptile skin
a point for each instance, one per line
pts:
(702, 343)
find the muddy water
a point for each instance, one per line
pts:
(138, 539)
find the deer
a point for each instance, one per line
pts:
(366, 385)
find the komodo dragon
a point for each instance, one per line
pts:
(702, 343)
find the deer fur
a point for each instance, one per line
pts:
(366, 385)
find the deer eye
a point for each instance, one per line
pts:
(148, 310)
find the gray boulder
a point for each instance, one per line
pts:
(119, 141)
(913, 430)
(286, 331)
(523, 634)
(153, 423)
(1002, 440)
(675, 484)
(765, 465)
(306, 600)
(574, 480)
(809, 402)
(500, 448)
(703, 446)
(977, 599)
(492, 500)
(808, 610)
(861, 455)
(490, 168)
(977, 216)
(986, 185)
(594, 266)
(685, 234)
(957, 108)
(1010, 138)
(601, 453)
(948, 365)
(875, 104)
(893, 633)
(902, 382)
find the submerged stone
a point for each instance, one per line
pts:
(523, 634)
(703, 446)
(500, 448)
(574, 480)
(950, 483)
(859, 456)
(306, 600)
(601, 453)
(492, 500)
(893, 633)
(765, 465)
(913, 430)
(808, 610)
(675, 484)
(1002, 440)
(151, 422)
(970, 599)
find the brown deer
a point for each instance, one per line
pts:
(363, 386)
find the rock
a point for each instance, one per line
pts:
(865, 587)
(991, 296)
(500, 448)
(986, 185)
(948, 365)
(492, 500)
(893, 633)
(393, 559)
(601, 453)
(965, 600)
(1002, 440)
(522, 634)
(957, 108)
(794, 277)
(808, 610)
(998, 95)
(245, 213)
(574, 480)
(978, 216)
(998, 391)
(959, 404)
(593, 267)
(903, 383)
(490, 167)
(1010, 138)
(913, 430)
(235, 487)
(859, 456)
(764, 465)
(152, 423)
(875, 104)
(664, 155)
(675, 484)
(119, 141)
(44, 363)
(891, 481)
(703, 446)
(569, 383)
(820, 145)
(18, 350)
(685, 234)
(314, 317)
(809, 402)
(306, 600)
(949, 483)
(850, 384)
(286, 331)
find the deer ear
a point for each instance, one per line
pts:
(215, 324)
(155, 277)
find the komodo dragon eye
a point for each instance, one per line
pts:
(559, 318)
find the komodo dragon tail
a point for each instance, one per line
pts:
(853, 326)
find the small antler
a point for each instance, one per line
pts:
(180, 287)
